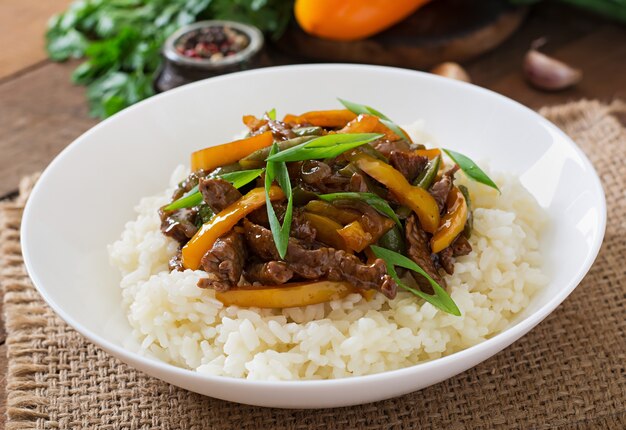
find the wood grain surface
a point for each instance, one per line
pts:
(41, 112)
(22, 29)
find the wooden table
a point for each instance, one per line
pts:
(41, 112)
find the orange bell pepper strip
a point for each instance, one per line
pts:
(286, 296)
(334, 118)
(215, 156)
(416, 198)
(222, 223)
(369, 124)
(342, 216)
(428, 153)
(327, 230)
(252, 122)
(452, 223)
(355, 237)
(351, 19)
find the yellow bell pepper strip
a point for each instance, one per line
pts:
(351, 19)
(327, 230)
(365, 123)
(342, 216)
(215, 156)
(286, 296)
(355, 237)
(452, 223)
(416, 198)
(222, 223)
(334, 118)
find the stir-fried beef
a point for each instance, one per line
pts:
(179, 224)
(408, 163)
(280, 130)
(418, 250)
(446, 259)
(442, 187)
(358, 184)
(218, 193)
(386, 147)
(372, 221)
(335, 265)
(186, 185)
(225, 260)
(269, 273)
(300, 227)
(459, 247)
(319, 177)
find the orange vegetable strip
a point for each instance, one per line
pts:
(355, 237)
(428, 153)
(222, 223)
(416, 198)
(365, 123)
(215, 156)
(334, 118)
(286, 296)
(452, 223)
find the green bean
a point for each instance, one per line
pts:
(393, 240)
(428, 175)
(307, 131)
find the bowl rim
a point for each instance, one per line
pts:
(478, 350)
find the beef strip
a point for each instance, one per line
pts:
(419, 251)
(440, 189)
(408, 163)
(323, 262)
(446, 259)
(225, 261)
(269, 273)
(179, 224)
(218, 193)
(188, 183)
(386, 147)
(280, 130)
(460, 246)
(300, 227)
(358, 184)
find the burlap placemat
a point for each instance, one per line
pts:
(569, 372)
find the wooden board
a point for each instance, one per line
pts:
(23, 24)
(443, 30)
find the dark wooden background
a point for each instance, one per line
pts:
(41, 112)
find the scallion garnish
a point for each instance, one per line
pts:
(470, 168)
(278, 170)
(271, 114)
(440, 299)
(194, 197)
(370, 198)
(328, 146)
(368, 110)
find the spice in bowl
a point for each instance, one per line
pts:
(213, 43)
(205, 49)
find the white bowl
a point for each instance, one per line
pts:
(85, 196)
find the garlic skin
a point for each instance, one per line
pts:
(547, 73)
(451, 70)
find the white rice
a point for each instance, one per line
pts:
(184, 325)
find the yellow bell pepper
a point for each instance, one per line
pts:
(215, 156)
(452, 223)
(342, 216)
(429, 153)
(222, 223)
(334, 118)
(286, 296)
(351, 19)
(327, 230)
(416, 198)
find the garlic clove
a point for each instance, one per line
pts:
(547, 73)
(451, 70)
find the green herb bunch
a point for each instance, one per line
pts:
(121, 40)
